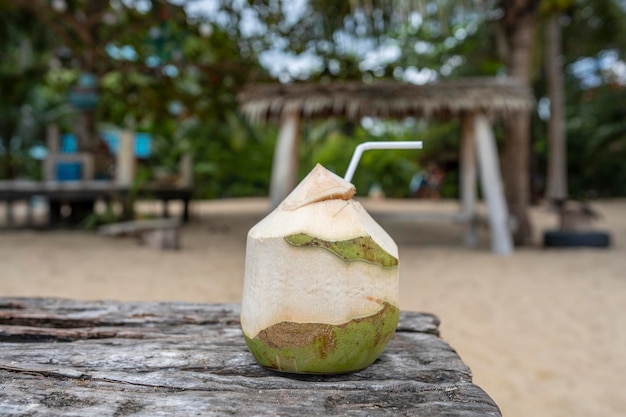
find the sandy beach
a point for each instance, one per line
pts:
(543, 330)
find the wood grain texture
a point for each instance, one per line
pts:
(63, 357)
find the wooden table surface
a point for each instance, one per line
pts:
(74, 358)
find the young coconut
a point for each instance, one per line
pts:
(321, 282)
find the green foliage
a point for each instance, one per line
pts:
(332, 144)
(593, 33)
(231, 158)
(22, 68)
(595, 25)
(597, 144)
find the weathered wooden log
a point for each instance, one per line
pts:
(61, 357)
(156, 233)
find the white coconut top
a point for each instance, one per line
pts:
(322, 206)
(319, 185)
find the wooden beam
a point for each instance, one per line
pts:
(53, 138)
(491, 183)
(285, 164)
(125, 159)
(185, 170)
(467, 180)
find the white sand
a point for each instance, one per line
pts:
(544, 331)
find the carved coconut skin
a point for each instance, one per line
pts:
(318, 348)
(321, 282)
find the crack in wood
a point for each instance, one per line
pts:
(11, 306)
(44, 373)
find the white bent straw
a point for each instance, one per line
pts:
(366, 146)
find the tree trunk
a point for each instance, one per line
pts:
(556, 188)
(519, 23)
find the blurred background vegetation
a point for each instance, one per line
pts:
(173, 69)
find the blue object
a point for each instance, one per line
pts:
(38, 152)
(68, 171)
(112, 141)
(68, 143)
(143, 143)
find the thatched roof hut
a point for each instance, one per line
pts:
(474, 101)
(498, 97)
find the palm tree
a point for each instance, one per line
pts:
(518, 25)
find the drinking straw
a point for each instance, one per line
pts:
(366, 146)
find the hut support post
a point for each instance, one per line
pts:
(125, 159)
(467, 179)
(491, 184)
(285, 163)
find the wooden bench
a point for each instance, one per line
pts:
(156, 233)
(62, 192)
(61, 357)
